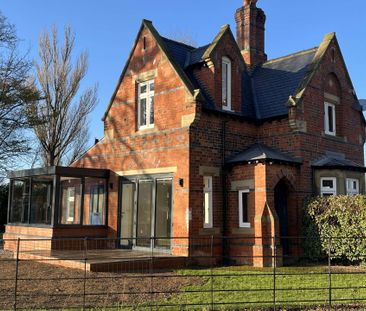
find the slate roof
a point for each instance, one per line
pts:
(261, 152)
(328, 161)
(265, 92)
(277, 79)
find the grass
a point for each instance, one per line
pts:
(295, 286)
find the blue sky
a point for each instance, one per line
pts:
(107, 29)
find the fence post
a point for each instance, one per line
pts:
(152, 244)
(330, 272)
(274, 272)
(16, 276)
(85, 261)
(211, 274)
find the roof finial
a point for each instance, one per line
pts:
(250, 2)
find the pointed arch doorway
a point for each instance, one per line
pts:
(281, 199)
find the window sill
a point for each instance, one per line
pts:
(228, 109)
(334, 137)
(209, 231)
(243, 231)
(145, 128)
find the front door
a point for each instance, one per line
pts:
(146, 213)
(281, 206)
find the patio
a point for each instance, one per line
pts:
(106, 260)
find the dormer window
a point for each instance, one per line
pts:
(329, 119)
(226, 83)
(146, 104)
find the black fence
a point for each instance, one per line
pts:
(212, 273)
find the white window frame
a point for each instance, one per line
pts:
(349, 186)
(226, 81)
(148, 96)
(207, 202)
(241, 223)
(328, 190)
(70, 204)
(326, 119)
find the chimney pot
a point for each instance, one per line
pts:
(250, 2)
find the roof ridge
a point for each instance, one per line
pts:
(180, 43)
(201, 47)
(291, 55)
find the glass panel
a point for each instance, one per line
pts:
(94, 201)
(152, 86)
(327, 183)
(244, 202)
(144, 206)
(41, 200)
(207, 208)
(70, 204)
(151, 99)
(330, 119)
(224, 82)
(207, 191)
(128, 203)
(19, 201)
(355, 185)
(207, 182)
(70, 191)
(163, 213)
(142, 111)
(143, 88)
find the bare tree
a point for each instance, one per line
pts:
(17, 93)
(63, 130)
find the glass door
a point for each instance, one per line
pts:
(127, 214)
(163, 211)
(144, 213)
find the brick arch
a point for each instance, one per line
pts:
(332, 85)
(286, 175)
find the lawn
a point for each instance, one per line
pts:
(236, 287)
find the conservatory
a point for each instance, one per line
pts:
(58, 197)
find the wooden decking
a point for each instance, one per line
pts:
(106, 260)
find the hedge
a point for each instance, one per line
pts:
(337, 223)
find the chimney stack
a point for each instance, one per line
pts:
(250, 31)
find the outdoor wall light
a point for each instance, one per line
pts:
(181, 182)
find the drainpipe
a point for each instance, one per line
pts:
(224, 194)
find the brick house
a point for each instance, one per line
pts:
(208, 141)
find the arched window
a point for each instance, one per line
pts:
(226, 83)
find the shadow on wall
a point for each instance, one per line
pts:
(121, 151)
(4, 189)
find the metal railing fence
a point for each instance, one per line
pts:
(205, 273)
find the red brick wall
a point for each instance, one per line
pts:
(125, 148)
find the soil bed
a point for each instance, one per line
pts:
(44, 286)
